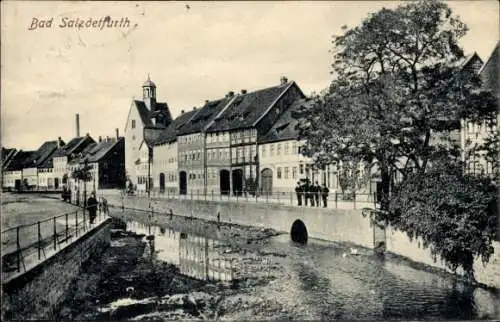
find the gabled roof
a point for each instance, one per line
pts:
(75, 145)
(285, 128)
(247, 109)
(7, 155)
(154, 135)
(146, 115)
(48, 162)
(39, 157)
(94, 152)
(204, 116)
(490, 71)
(18, 160)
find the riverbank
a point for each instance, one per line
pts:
(274, 279)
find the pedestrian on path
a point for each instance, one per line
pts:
(298, 192)
(324, 195)
(317, 193)
(92, 207)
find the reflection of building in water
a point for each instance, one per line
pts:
(196, 256)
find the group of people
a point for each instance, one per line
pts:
(310, 193)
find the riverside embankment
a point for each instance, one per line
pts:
(273, 278)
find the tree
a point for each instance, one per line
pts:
(400, 89)
(398, 93)
(83, 173)
(454, 214)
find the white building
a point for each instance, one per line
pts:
(143, 113)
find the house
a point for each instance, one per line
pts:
(30, 173)
(473, 134)
(193, 151)
(106, 162)
(247, 117)
(163, 142)
(147, 112)
(65, 154)
(6, 157)
(12, 171)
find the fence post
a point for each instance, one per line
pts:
(374, 201)
(191, 194)
(267, 197)
(291, 198)
(354, 195)
(66, 215)
(18, 244)
(55, 234)
(336, 199)
(236, 196)
(39, 241)
(212, 194)
(84, 223)
(76, 223)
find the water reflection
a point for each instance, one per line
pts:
(196, 256)
(328, 279)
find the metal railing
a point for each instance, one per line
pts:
(25, 246)
(332, 200)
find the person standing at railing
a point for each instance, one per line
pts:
(298, 192)
(308, 194)
(92, 207)
(317, 193)
(324, 195)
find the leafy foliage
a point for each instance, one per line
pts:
(455, 215)
(400, 90)
(83, 173)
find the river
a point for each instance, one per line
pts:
(276, 278)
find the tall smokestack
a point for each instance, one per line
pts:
(77, 119)
(117, 134)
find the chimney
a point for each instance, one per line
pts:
(182, 111)
(77, 119)
(230, 94)
(117, 134)
(243, 91)
(284, 80)
(206, 102)
(194, 108)
(100, 139)
(59, 142)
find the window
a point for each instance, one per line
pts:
(263, 151)
(133, 124)
(278, 150)
(198, 156)
(286, 172)
(301, 169)
(294, 173)
(294, 147)
(286, 148)
(272, 150)
(278, 173)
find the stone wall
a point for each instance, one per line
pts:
(398, 242)
(37, 293)
(327, 224)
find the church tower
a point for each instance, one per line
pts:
(149, 94)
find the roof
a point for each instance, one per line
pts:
(75, 145)
(94, 152)
(146, 115)
(18, 160)
(7, 155)
(285, 128)
(246, 109)
(490, 71)
(148, 83)
(48, 163)
(39, 157)
(154, 135)
(204, 116)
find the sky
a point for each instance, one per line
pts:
(50, 74)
